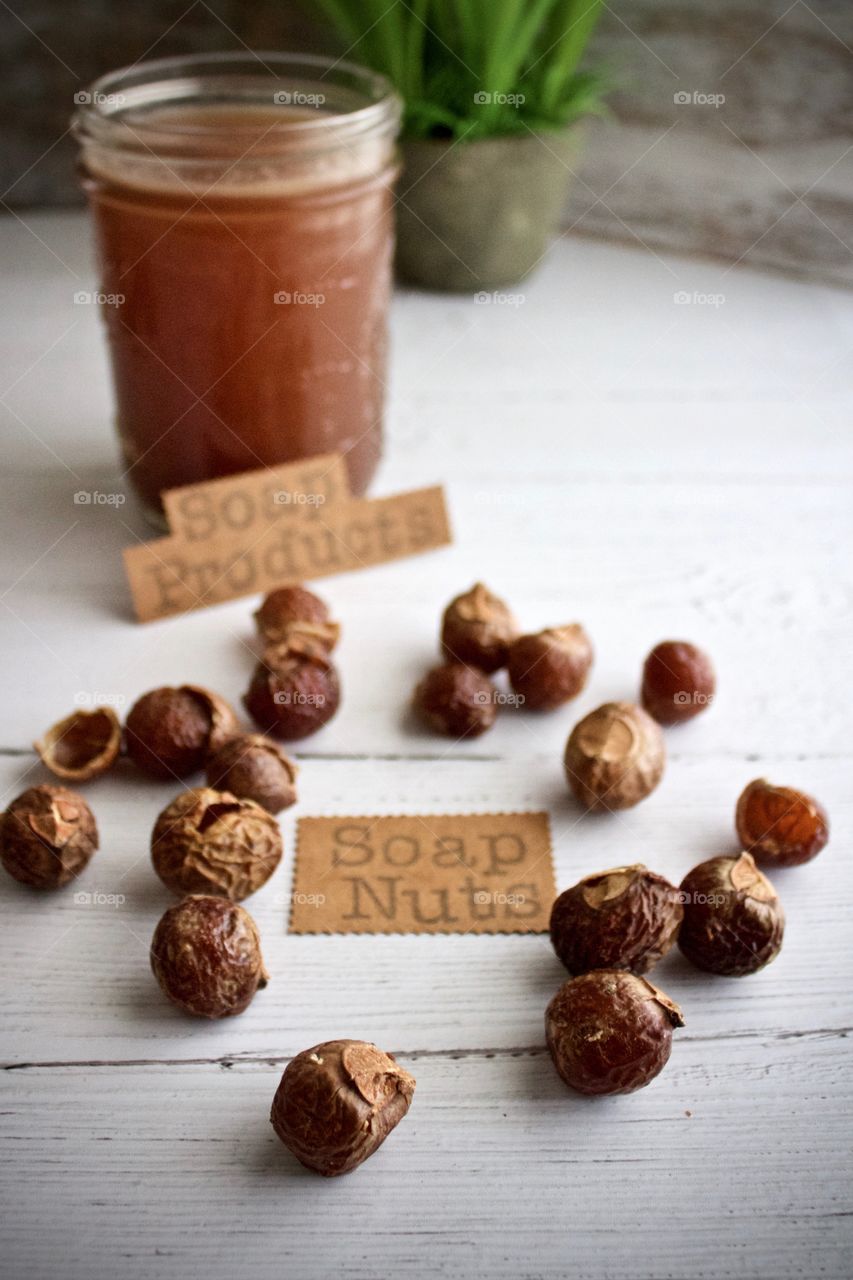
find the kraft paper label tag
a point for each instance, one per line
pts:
(244, 504)
(175, 574)
(469, 873)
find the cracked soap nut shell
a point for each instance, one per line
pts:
(625, 918)
(477, 629)
(614, 757)
(206, 956)
(733, 921)
(337, 1103)
(550, 667)
(253, 768)
(610, 1031)
(210, 842)
(779, 826)
(81, 746)
(169, 733)
(678, 682)
(294, 691)
(290, 611)
(47, 836)
(456, 700)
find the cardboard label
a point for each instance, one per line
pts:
(446, 873)
(176, 574)
(245, 504)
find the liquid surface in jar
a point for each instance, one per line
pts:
(255, 283)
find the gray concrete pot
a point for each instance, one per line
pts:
(479, 215)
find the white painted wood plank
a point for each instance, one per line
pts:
(79, 986)
(498, 1170)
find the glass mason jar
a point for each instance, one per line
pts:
(243, 214)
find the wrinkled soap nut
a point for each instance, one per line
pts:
(337, 1103)
(209, 842)
(206, 956)
(169, 733)
(47, 836)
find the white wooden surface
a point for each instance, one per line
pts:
(648, 467)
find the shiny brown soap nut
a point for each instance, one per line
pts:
(253, 768)
(294, 691)
(625, 918)
(614, 757)
(477, 629)
(81, 746)
(206, 956)
(169, 733)
(779, 826)
(610, 1031)
(550, 667)
(456, 700)
(208, 841)
(289, 611)
(47, 836)
(337, 1103)
(678, 682)
(733, 922)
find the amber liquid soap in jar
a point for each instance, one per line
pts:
(243, 209)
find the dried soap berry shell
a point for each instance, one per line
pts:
(549, 668)
(95, 735)
(610, 1032)
(252, 767)
(615, 757)
(206, 956)
(456, 700)
(294, 606)
(477, 629)
(338, 1102)
(733, 921)
(47, 836)
(211, 842)
(623, 918)
(780, 826)
(165, 740)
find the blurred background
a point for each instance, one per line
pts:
(729, 130)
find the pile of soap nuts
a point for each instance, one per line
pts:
(609, 1030)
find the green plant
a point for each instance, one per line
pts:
(476, 68)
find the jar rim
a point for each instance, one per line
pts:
(366, 100)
